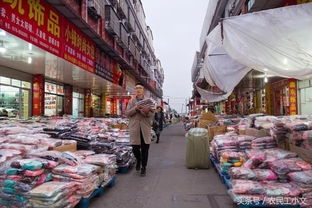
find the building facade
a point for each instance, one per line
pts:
(257, 92)
(76, 57)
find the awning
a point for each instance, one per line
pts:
(275, 41)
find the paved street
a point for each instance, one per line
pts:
(168, 183)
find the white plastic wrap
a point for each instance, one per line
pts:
(276, 42)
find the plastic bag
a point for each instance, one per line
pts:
(242, 173)
(50, 189)
(273, 189)
(265, 174)
(247, 187)
(304, 177)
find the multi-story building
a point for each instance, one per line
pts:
(80, 57)
(256, 92)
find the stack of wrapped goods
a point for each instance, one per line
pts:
(303, 180)
(272, 174)
(22, 176)
(223, 143)
(123, 153)
(279, 131)
(54, 195)
(105, 161)
(245, 142)
(265, 122)
(263, 143)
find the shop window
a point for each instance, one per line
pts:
(26, 85)
(14, 101)
(16, 83)
(5, 80)
(78, 104)
(54, 99)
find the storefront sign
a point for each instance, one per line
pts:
(102, 66)
(34, 21)
(78, 49)
(292, 97)
(38, 95)
(39, 23)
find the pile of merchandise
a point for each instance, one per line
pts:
(21, 177)
(263, 143)
(54, 194)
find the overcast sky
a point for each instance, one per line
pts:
(176, 26)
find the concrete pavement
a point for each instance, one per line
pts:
(168, 183)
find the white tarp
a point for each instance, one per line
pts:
(276, 41)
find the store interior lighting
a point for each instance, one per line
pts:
(30, 46)
(266, 78)
(2, 33)
(29, 60)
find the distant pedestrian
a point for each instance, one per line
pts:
(159, 120)
(140, 126)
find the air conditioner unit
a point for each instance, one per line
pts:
(95, 7)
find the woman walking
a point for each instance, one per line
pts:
(159, 120)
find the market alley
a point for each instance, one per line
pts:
(168, 184)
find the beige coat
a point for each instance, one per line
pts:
(137, 121)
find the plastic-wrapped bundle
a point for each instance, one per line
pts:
(242, 173)
(285, 166)
(274, 189)
(279, 131)
(265, 122)
(146, 103)
(263, 143)
(256, 158)
(100, 159)
(6, 154)
(54, 194)
(265, 174)
(303, 177)
(244, 142)
(247, 187)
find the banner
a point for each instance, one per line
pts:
(37, 22)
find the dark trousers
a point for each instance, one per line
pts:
(141, 151)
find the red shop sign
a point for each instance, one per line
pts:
(37, 22)
(34, 21)
(78, 49)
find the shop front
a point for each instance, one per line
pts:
(284, 97)
(78, 103)
(15, 98)
(305, 97)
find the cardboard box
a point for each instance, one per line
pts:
(208, 116)
(257, 133)
(66, 147)
(215, 130)
(304, 154)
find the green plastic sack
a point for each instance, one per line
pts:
(13, 171)
(9, 183)
(33, 165)
(8, 190)
(197, 149)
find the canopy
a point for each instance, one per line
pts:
(275, 41)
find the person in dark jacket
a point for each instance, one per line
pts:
(159, 120)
